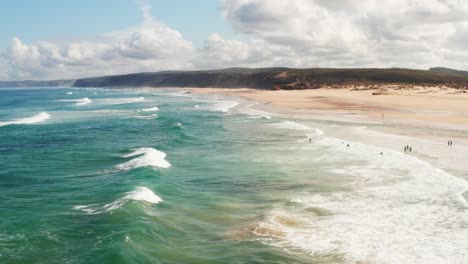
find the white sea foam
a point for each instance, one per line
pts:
(139, 194)
(142, 194)
(310, 132)
(254, 113)
(69, 93)
(153, 116)
(88, 209)
(145, 157)
(223, 106)
(152, 109)
(82, 101)
(27, 120)
(401, 210)
(116, 101)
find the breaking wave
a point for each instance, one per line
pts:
(310, 132)
(145, 157)
(152, 109)
(27, 120)
(142, 194)
(82, 101)
(223, 106)
(401, 210)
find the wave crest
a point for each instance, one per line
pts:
(152, 109)
(145, 157)
(27, 120)
(82, 101)
(141, 193)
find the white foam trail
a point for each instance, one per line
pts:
(82, 101)
(69, 93)
(153, 116)
(152, 109)
(142, 194)
(253, 113)
(311, 132)
(27, 120)
(86, 208)
(401, 210)
(145, 157)
(223, 106)
(139, 194)
(117, 101)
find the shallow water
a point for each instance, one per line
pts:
(127, 176)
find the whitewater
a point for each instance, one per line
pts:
(158, 176)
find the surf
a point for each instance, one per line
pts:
(152, 109)
(41, 117)
(400, 210)
(145, 157)
(140, 194)
(82, 101)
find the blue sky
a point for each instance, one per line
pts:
(53, 39)
(32, 21)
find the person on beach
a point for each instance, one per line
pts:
(310, 140)
(410, 149)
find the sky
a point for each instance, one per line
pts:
(52, 39)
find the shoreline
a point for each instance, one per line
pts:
(428, 137)
(436, 107)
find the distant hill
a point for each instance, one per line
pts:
(448, 71)
(266, 78)
(277, 78)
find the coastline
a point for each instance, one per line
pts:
(421, 106)
(424, 118)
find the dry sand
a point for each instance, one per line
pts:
(420, 106)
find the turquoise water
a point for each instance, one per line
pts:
(103, 176)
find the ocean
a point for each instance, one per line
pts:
(167, 176)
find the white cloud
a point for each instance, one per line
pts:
(150, 47)
(340, 33)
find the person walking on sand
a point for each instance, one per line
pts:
(310, 140)
(410, 149)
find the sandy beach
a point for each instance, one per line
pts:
(423, 117)
(419, 106)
